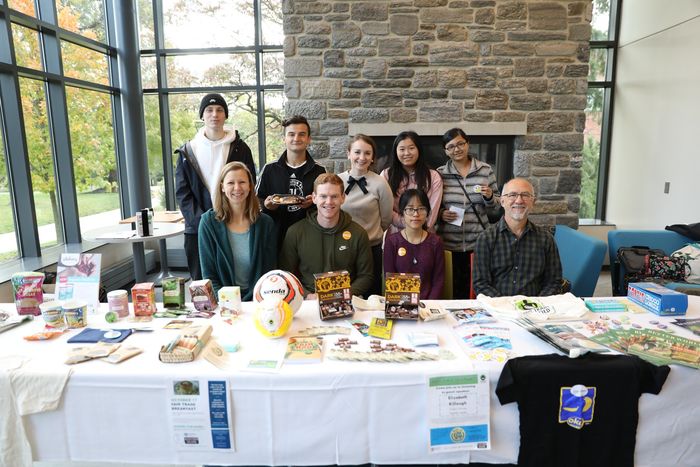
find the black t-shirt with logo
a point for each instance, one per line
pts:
(578, 411)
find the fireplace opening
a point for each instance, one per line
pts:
(497, 151)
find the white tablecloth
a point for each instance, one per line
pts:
(329, 413)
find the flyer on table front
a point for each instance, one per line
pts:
(458, 412)
(200, 415)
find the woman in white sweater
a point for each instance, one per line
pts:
(368, 198)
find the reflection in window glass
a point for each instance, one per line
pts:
(84, 17)
(25, 6)
(272, 22)
(600, 24)
(591, 153)
(598, 61)
(36, 127)
(154, 151)
(274, 111)
(145, 16)
(190, 24)
(94, 159)
(211, 70)
(8, 240)
(85, 64)
(273, 68)
(149, 72)
(26, 42)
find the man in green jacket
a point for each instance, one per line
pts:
(328, 240)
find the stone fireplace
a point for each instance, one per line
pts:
(511, 69)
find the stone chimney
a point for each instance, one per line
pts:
(490, 67)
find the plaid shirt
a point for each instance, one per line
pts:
(505, 265)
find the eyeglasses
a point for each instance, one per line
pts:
(452, 147)
(524, 195)
(414, 211)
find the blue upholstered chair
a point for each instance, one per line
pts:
(665, 240)
(581, 259)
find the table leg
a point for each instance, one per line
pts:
(164, 271)
(139, 262)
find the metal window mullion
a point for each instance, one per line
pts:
(259, 95)
(167, 148)
(608, 107)
(118, 122)
(131, 105)
(163, 107)
(63, 160)
(18, 167)
(208, 89)
(16, 151)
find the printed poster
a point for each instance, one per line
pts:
(200, 415)
(78, 278)
(458, 412)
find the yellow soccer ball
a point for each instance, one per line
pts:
(273, 318)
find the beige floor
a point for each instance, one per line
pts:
(604, 286)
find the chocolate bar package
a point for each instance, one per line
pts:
(334, 295)
(402, 295)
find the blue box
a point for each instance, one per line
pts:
(658, 299)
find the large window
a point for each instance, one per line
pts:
(182, 59)
(56, 71)
(94, 161)
(41, 161)
(601, 82)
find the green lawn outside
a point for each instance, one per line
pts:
(88, 203)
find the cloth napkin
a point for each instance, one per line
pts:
(91, 335)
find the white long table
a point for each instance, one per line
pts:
(329, 413)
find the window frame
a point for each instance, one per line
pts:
(52, 76)
(608, 86)
(163, 90)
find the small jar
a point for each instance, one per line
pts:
(118, 301)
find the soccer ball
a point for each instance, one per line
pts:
(273, 319)
(279, 285)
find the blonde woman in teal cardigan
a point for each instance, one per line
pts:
(237, 243)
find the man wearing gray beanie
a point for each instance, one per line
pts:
(199, 164)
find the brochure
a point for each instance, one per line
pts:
(78, 278)
(658, 347)
(561, 336)
(302, 349)
(471, 315)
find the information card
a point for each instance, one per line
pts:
(458, 407)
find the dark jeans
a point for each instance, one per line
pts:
(192, 254)
(461, 274)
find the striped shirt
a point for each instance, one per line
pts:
(462, 237)
(505, 265)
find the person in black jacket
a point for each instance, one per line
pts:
(199, 165)
(293, 173)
